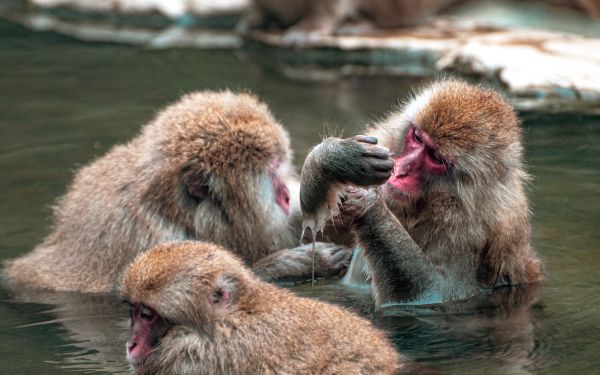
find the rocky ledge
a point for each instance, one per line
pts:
(536, 67)
(531, 65)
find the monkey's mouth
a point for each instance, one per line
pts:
(396, 194)
(139, 354)
(139, 365)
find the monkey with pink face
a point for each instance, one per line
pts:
(448, 218)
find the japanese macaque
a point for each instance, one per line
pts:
(195, 309)
(326, 17)
(451, 218)
(299, 18)
(213, 166)
(592, 7)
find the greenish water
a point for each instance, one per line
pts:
(63, 103)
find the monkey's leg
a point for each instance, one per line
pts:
(296, 264)
(400, 271)
(322, 18)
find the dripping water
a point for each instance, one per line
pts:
(313, 231)
(312, 282)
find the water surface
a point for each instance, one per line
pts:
(63, 103)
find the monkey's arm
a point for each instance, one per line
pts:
(400, 271)
(295, 264)
(334, 163)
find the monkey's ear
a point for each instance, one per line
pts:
(196, 185)
(223, 293)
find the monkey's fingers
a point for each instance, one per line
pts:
(342, 257)
(380, 165)
(365, 139)
(332, 259)
(369, 174)
(379, 178)
(376, 152)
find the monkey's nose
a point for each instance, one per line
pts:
(399, 171)
(130, 345)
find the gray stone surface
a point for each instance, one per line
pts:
(535, 66)
(541, 56)
(168, 8)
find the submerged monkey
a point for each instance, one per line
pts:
(450, 218)
(213, 166)
(195, 309)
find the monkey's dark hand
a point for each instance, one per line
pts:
(296, 264)
(357, 160)
(337, 162)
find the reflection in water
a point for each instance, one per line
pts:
(95, 327)
(491, 333)
(66, 102)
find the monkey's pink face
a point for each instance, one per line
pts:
(418, 161)
(147, 328)
(282, 194)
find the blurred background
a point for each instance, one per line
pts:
(79, 76)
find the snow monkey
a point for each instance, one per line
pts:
(450, 219)
(196, 309)
(328, 16)
(213, 166)
(300, 18)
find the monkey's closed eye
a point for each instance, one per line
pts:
(436, 158)
(146, 313)
(417, 137)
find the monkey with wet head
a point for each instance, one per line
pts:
(213, 166)
(450, 219)
(195, 309)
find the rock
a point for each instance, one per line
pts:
(487, 40)
(81, 5)
(168, 8)
(169, 37)
(538, 67)
(531, 63)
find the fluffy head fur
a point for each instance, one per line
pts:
(178, 279)
(261, 328)
(238, 132)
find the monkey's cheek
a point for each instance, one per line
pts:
(282, 195)
(284, 204)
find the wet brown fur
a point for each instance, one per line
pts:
(134, 197)
(262, 329)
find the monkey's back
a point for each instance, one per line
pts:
(101, 217)
(304, 336)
